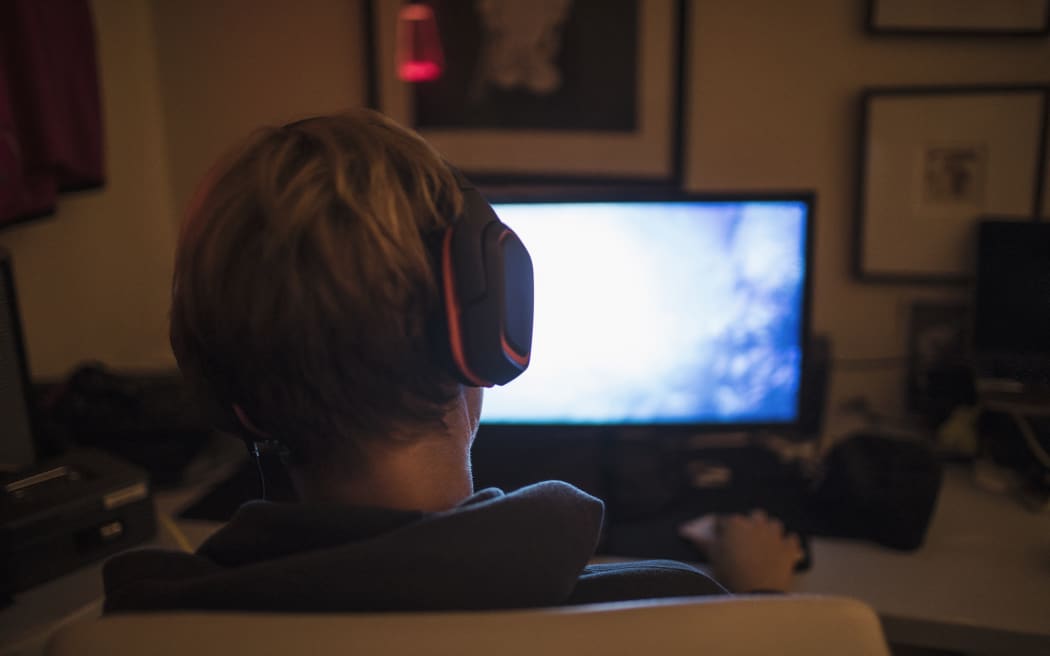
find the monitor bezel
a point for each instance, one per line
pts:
(7, 273)
(642, 430)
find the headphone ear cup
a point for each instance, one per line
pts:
(487, 285)
(516, 301)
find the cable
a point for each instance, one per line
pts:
(173, 530)
(1029, 437)
(258, 466)
(1018, 413)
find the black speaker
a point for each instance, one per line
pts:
(876, 488)
(17, 446)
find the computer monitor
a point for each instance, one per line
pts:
(662, 312)
(17, 445)
(1012, 302)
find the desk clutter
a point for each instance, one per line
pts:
(99, 444)
(67, 512)
(867, 487)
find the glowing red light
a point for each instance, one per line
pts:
(419, 54)
(419, 71)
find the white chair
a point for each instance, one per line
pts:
(771, 624)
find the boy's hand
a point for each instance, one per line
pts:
(748, 553)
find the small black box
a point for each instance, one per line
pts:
(65, 513)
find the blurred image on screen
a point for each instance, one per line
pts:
(685, 312)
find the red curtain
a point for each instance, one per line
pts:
(50, 114)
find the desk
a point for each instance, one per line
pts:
(980, 584)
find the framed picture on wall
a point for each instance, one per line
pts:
(933, 160)
(544, 92)
(960, 17)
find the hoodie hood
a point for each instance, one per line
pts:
(495, 550)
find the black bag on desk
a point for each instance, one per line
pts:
(879, 489)
(150, 421)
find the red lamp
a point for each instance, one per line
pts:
(419, 55)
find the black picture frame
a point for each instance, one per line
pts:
(952, 18)
(912, 227)
(650, 155)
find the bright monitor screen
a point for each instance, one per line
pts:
(679, 312)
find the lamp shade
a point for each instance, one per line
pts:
(419, 55)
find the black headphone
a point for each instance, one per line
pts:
(485, 336)
(487, 295)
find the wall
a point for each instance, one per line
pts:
(228, 67)
(93, 280)
(771, 104)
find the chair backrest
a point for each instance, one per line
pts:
(731, 625)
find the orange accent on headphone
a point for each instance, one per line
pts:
(522, 360)
(452, 310)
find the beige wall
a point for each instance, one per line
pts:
(772, 104)
(229, 66)
(93, 279)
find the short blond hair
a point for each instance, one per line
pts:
(305, 285)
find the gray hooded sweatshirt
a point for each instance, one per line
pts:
(529, 548)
